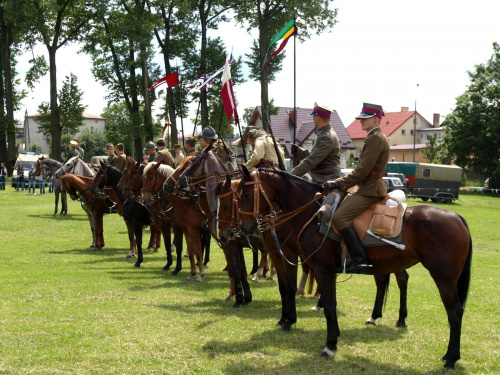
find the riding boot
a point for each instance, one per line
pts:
(359, 263)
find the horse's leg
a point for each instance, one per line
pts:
(99, 230)
(178, 242)
(262, 264)
(327, 286)
(190, 248)
(232, 250)
(56, 197)
(272, 271)
(206, 240)
(64, 203)
(303, 279)
(291, 290)
(131, 239)
(138, 230)
(280, 268)
(167, 240)
(402, 279)
(91, 221)
(382, 282)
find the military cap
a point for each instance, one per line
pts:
(320, 110)
(160, 142)
(177, 146)
(73, 143)
(150, 146)
(370, 110)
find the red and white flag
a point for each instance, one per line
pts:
(171, 80)
(227, 93)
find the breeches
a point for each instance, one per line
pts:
(352, 206)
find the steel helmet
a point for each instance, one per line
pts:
(150, 145)
(208, 132)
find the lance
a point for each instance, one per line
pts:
(236, 119)
(294, 160)
(278, 153)
(180, 110)
(196, 119)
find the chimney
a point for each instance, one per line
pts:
(290, 116)
(435, 120)
(404, 109)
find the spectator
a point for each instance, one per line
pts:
(32, 180)
(20, 177)
(3, 174)
(41, 183)
(178, 155)
(51, 183)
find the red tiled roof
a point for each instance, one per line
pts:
(389, 124)
(283, 128)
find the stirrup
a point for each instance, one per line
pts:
(354, 267)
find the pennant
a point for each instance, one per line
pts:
(285, 34)
(171, 80)
(164, 132)
(211, 78)
(196, 84)
(227, 94)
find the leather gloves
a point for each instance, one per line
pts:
(330, 185)
(294, 148)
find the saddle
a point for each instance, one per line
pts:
(382, 222)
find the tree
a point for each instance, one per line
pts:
(119, 125)
(70, 110)
(57, 23)
(472, 130)
(93, 142)
(433, 151)
(269, 17)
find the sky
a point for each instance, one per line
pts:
(396, 53)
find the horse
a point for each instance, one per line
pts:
(438, 239)
(78, 188)
(185, 213)
(74, 165)
(135, 215)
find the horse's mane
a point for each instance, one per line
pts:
(290, 179)
(186, 160)
(165, 170)
(51, 163)
(114, 172)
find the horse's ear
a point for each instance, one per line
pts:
(102, 163)
(138, 163)
(228, 182)
(156, 166)
(218, 177)
(244, 171)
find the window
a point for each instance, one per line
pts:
(426, 172)
(411, 132)
(403, 132)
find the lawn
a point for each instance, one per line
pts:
(69, 310)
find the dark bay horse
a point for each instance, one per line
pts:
(135, 215)
(130, 186)
(437, 238)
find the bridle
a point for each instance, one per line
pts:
(234, 220)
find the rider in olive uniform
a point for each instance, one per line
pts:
(263, 154)
(163, 156)
(322, 163)
(364, 185)
(73, 151)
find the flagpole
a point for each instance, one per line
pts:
(237, 120)
(294, 160)
(182, 122)
(196, 119)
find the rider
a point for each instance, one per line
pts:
(150, 151)
(190, 146)
(163, 156)
(121, 159)
(208, 137)
(110, 150)
(263, 154)
(73, 151)
(322, 163)
(365, 185)
(79, 149)
(178, 155)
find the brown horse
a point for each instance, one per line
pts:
(185, 213)
(437, 238)
(78, 188)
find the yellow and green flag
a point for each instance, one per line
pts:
(285, 34)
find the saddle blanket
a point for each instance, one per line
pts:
(368, 241)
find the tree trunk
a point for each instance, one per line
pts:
(264, 88)
(170, 99)
(203, 69)
(9, 121)
(55, 151)
(148, 123)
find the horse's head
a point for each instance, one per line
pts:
(131, 180)
(173, 181)
(153, 177)
(228, 201)
(127, 172)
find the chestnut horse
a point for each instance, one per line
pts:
(437, 238)
(78, 188)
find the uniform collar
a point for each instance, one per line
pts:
(324, 128)
(374, 130)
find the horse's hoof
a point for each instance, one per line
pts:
(191, 277)
(92, 245)
(326, 353)
(287, 327)
(400, 324)
(229, 297)
(300, 293)
(237, 304)
(371, 321)
(199, 279)
(175, 272)
(255, 279)
(137, 265)
(317, 308)
(65, 213)
(166, 268)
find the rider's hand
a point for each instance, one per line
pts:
(294, 148)
(330, 185)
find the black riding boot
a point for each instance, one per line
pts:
(359, 263)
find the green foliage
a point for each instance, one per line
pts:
(473, 128)
(70, 109)
(38, 68)
(36, 147)
(118, 124)
(93, 142)
(433, 152)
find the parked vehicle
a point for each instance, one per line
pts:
(394, 183)
(28, 159)
(401, 176)
(96, 161)
(440, 183)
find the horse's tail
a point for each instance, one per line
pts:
(311, 281)
(464, 279)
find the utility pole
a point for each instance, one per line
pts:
(415, 129)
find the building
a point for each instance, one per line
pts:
(305, 135)
(403, 130)
(31, 134)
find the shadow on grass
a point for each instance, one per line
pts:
(59, 217)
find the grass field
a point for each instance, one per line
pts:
(69, 310)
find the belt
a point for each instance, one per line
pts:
(323, 166)
(374, 175)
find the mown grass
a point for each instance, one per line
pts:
(69, 310)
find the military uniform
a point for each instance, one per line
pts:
(190, 152)
(81, 151)
(164, 157)
(178, 158)
(322, 163)
(112, 159)
(120, 162)
(263, 152)
(73, 151)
